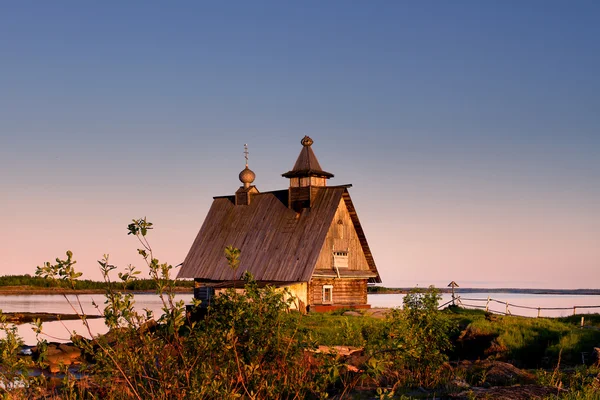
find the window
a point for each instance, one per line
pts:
(340, 259)
(327, 294)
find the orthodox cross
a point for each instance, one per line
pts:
(453, 285)
(246, 154)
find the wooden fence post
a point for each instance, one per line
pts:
(487, 305)
(538, 312)
(507, 312)
(574, 310)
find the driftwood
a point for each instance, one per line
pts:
(18, 318)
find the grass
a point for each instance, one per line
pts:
(589, 320)
(335, 329)
(550, 346)
(528, 342)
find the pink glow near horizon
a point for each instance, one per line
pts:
(469, 130)
(419, 244)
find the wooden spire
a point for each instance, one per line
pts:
(307, 164)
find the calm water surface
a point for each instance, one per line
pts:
(517, 302)
(60, 331)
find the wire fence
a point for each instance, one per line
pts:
(460, 301)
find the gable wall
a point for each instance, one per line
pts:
(342, 237)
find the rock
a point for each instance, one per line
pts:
(26, 350)
(111, 336)
(377, 312)
(352, 314)
(352, 357)
(71, 351)
(460, 383)
(343, 351)
(148, 326)
(60, 355)
(524, 392)
(495, 373)
(78, 339)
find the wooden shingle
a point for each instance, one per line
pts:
(277, 244)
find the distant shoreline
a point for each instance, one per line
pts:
(582, 292)
(30, 291)
(20, 291)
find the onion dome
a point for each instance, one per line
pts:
(306, 141)
(247, 176)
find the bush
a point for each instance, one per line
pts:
(250, 345)
(417, 341)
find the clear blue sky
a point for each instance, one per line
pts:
(470, 130)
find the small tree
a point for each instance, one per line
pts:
(249, 346)
(419, 338)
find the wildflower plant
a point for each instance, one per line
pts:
(249, 345)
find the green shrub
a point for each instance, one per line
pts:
(250, 345)
(417, 341)
(332, 329)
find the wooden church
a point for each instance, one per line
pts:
(306, 238)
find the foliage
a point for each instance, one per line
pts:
(25, 282)
(233, 257)
(13, 368)
(589, 319)
(526, 342)
(250, 344)
(383, 290)
(63, 271)
(419, 339)
(334, 329)
(255, 338)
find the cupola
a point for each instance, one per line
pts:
(306, 176)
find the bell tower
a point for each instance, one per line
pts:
(306, 176)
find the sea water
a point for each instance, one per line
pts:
(61, 331)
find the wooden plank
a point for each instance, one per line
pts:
(342, 236)
(345, 291)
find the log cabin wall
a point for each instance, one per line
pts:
(342, 236)
(345, 291)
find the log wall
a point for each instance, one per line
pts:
(345, 291)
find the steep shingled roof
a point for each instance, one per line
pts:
(307, 163)
(276, 243)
